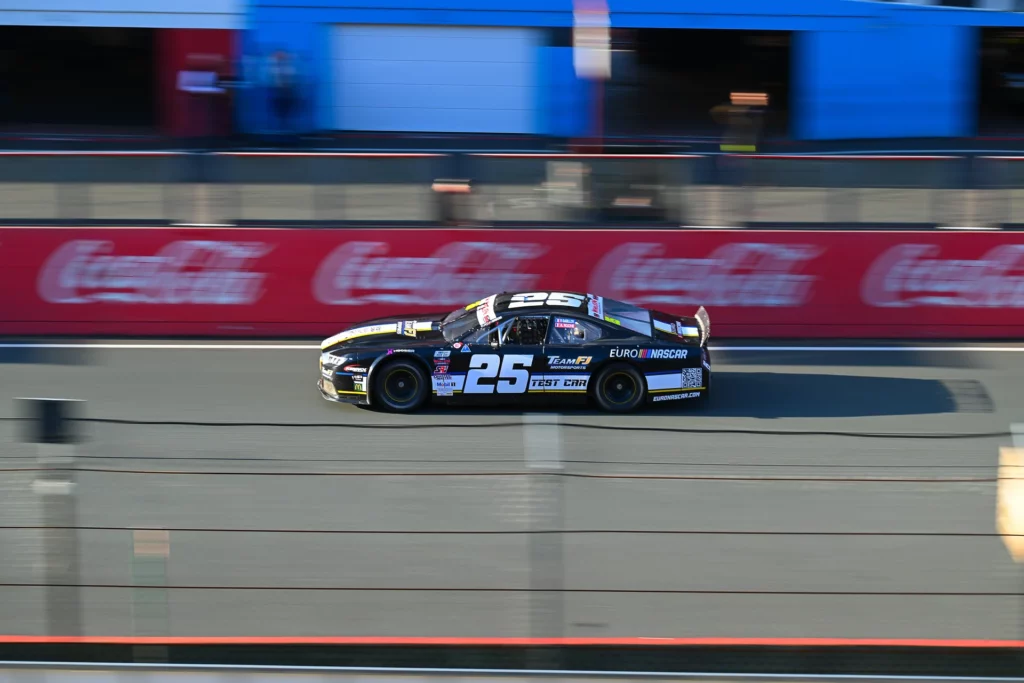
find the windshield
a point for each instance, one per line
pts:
(457, 323)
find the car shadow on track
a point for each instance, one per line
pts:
(772, 395)
(775, 395)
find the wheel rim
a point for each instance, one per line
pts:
(620, 388)
(401, 386)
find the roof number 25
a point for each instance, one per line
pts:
(546, 298)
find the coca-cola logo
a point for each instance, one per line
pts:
(735, 274)
(364, 272)
(183, 272)
(910, 275)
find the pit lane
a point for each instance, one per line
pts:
(766, 516)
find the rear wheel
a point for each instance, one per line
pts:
(619, 388)
(401, 386)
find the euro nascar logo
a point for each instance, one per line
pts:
(649, 354)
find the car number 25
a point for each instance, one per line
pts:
(512, 373)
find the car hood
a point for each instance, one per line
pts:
(406, 330)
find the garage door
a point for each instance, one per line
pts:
(434, 79)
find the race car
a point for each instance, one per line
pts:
(522, 347)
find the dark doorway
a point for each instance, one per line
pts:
(665, 82)
(1001, 82)
(77, 77)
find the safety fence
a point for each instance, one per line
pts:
(510, 189)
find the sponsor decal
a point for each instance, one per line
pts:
(595, 306)
(409, 328)
(444, 385)
(357, 273)
(565, 323)
(649, 354)
(465, 349)
(692, 378)
(707, 365)
(734, 274)
(559, 383)
(206, 272)
(613, 321)
(457, 345)
(664, 327)
(326, 372)
(444, 353)
(485, 314)
(911, 275)
(391, 351)
(354, 368)
(359, 383)
(578, 362)
(441, 367)
(675, 397)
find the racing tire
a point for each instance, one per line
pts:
(619, 388)
(400, 386)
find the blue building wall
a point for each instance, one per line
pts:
(893, 81)
(860, 69)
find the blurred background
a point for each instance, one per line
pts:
(204, 490)
(744, 94)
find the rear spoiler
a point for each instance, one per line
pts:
(704, 322)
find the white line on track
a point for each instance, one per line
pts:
(316, 347)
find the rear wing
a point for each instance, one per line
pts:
(704, 322)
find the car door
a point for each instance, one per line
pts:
(504, 359)
(568, 354)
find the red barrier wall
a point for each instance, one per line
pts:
(243, 282)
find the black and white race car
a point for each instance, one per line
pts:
(522, 347)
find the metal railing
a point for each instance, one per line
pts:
(509, 189)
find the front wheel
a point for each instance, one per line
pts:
(619, 388)
(400, 386)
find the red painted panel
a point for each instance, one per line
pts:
(202, 49)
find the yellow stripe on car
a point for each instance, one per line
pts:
(389, 328)
(677, 389)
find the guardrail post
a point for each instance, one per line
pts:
(50, 424)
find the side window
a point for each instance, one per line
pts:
(523, 330)
(571, 331)
(492, 334)
(526, 330)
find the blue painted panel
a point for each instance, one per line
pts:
(795, 15)
(434, 79)
(563, 100)
(901, 81)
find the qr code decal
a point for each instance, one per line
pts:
(692, 378)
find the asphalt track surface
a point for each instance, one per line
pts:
(876, 521)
